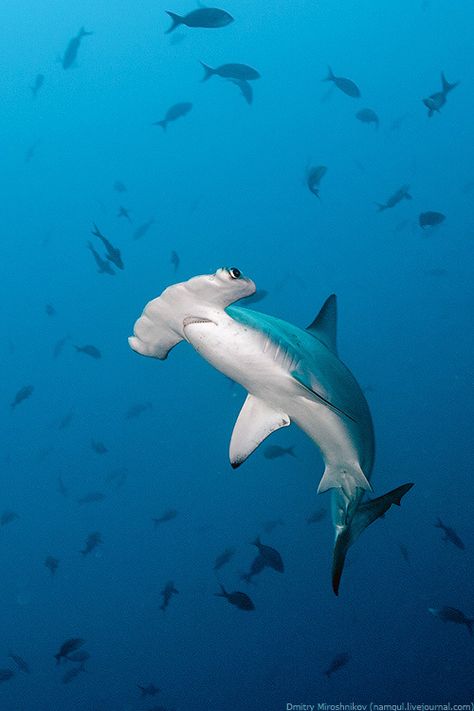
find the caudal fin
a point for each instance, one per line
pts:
(447, 87)
(177, 20)
(223, 592)
(162, 123)
(83, 33)
(365, 515)
(208, 71)
(330, 76)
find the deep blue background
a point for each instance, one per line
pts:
(225, 185)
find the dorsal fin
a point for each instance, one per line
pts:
(324, 326)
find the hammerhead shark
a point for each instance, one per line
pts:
(291, 375)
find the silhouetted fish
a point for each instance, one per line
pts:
(173, 113)
(22, 394)
(437, 100)
(67, 647)
(398, 196)
(271, 555)
(73, 47)
(103, 265)
(20, 662)
(71, 674)
(123, 212)
(237, 598)
(92, 541)
(258, 564)
(52, 564)
(138, 409)
(89, 350)
(166, 516)
(59, 345)
(313, 178)
(50, 310)
(209, 17)
(452, 614)
(143, 229)
(91, 497)
(345, 85)
(340, 660)
(223, 558)
(113, 254)
(175, 260)
(431, 219)
(7, 517)
(39, 81)
(450, 534)
(98, 447)
(241, 72)
(273, 451)
(368, 116)
(168, 591)
(6, 674)
(148, 690)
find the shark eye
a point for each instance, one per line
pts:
(234, 273)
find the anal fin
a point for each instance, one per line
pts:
(255, 422)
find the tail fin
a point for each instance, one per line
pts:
(83, 33)
(291, 450)
(162, 123)
(223, 592)
(439, 523)
(365, 515)
(177, 20)
(330, 76)
(447, 87)
(208, 71)
(58, 657)
(257, 542)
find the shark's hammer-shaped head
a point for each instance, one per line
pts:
(161, 325)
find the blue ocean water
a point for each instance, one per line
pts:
(226, 184)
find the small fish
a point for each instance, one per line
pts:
(65, 420)
(22, 394)
(113, 254)
(89, 350)
(347, 86)
(50, 310)
(452, 614)
(245, 89)
(148, 690)
(175, 260)
(401, 194)
(273, 451)
(431, 219)
(270, 526)
(67, 647)
(59, 345)
(120, 187)
(271, 555)
(450, 535)
(123, 212)
(73, 47)
(340, 660)
(20, 662)
(71, 674)
(52, 564)
(313, 178)
(241, 72)
(99, 447)
(173, 113)
(258, 564)
(209, 17)
(6, 674)
(143, 229)
(237, 598)
(223, 558)
(92, 541)
(91, 497)
(168, 591)
(102, 264)
(79, 657)
(138, 409)
(259, 295)
(368, 116)
(437, 100)
(316, 516)
(405, 552)
(167, 516)
(8, 517)
(39, 81)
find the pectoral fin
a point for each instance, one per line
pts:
(255, 422)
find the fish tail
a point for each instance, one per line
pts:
(208, 71)
(291, 450)
(257, 542)
(177, 20)
(447, 87)
(223, 592)
(439, 523)
(330, 76)
(162, 123)
(58, 657)
(365, 514)
(83, 33)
